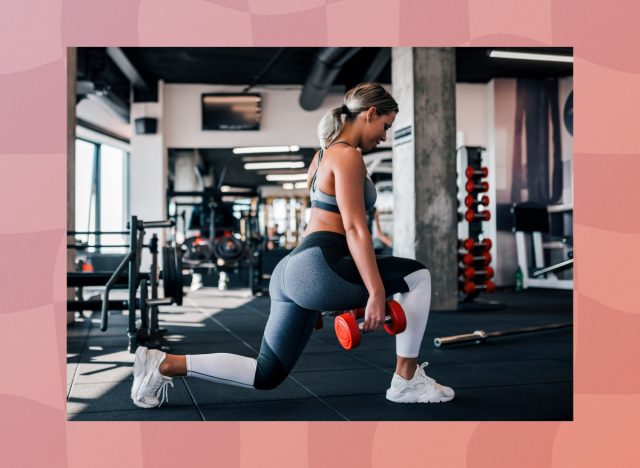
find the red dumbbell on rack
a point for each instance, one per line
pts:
(470, 244)
(471, 202)
(348, 330)
(471, 172)
(479, 187)
(472, 215)
(470, 287)
(471, 273)
(469, 259)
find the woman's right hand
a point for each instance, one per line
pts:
(374, 313)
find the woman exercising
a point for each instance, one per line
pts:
(333, 268)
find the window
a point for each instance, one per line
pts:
(102, 201)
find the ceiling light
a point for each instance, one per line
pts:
(300, 185)
(280, 157)
(266, 149)
(287, 186)
(274, 165)
(227, 188)
(530, 56)
(286, 177)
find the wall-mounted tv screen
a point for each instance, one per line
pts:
(231, 111)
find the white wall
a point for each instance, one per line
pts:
(471, 113)
(284, 122)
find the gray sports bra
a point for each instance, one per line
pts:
(327, 202)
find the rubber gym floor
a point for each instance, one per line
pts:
(518, 377)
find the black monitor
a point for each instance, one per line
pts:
(231, 112)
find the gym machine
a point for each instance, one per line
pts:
(172, 277)
(531, 224)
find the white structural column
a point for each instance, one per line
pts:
(424, 166)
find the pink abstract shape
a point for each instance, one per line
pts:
(602, 32)
(34, 104)
(105, 445)
(20, 48)
(606, 342)
(505, 40)
(283, 444)
(434, 23)
(529, 19)
(32, 434)
(26, 177)
(440, 444)
(608, 209)
(606, 259)
(31, 339)
(305, 28)
(605, 434)
(606, 103)
(27, 284)
(507, 445)
(238, 5)
(198, 445)
(192, 23)
(283, 7)
(380, 16)
(341, 444)
(94, 22)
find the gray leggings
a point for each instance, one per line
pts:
(318, 275)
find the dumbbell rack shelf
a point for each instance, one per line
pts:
(474, 253)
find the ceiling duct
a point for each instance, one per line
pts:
(328, 64)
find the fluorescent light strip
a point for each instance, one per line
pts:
(266, 149)
(530, 56)
(281, 157)
(227, 188)
(297, 185)
(274, 165)
(286, 177)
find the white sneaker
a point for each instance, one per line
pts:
(420, 389)
(149, 387)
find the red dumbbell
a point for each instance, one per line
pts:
(471, 215)
(469, 259)
(348, 330)
(471, 172)
(471, 202)
(470, 287)
(470, 244)
(471, 273)
(480, 187)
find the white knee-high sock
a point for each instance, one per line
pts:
(416, 305)
(225, 368)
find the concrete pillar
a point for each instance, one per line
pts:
(71, 162)
(424, 166)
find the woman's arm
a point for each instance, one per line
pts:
(349, 173)
(386, 240)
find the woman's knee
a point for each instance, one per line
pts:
(270, 373)
(418, 278)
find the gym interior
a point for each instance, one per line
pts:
(187, 184)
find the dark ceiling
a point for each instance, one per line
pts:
(239, 65)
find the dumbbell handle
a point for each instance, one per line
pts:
(387, 321)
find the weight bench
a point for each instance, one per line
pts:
(531, 222)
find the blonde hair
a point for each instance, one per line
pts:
(356, 100)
